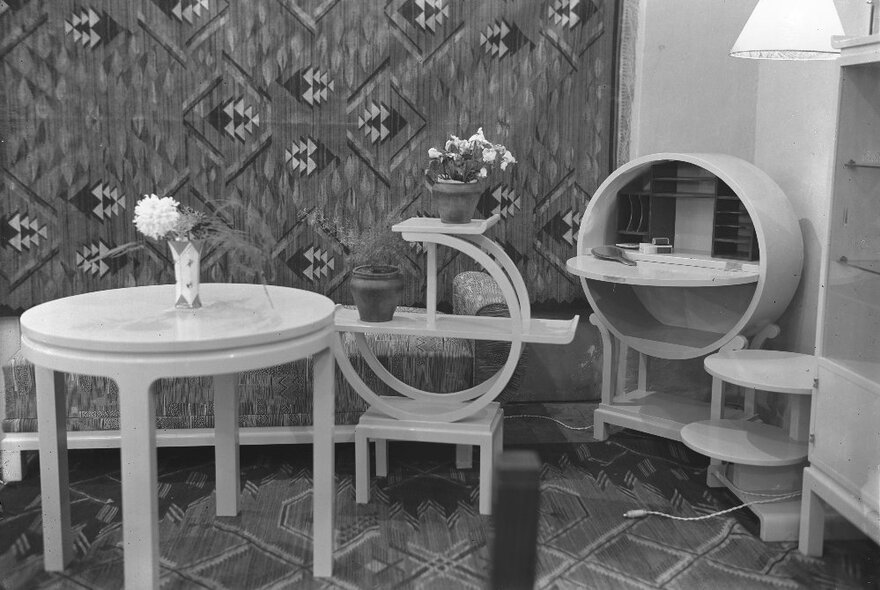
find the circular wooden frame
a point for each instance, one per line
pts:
(779, 269)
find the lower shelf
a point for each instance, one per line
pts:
(660, 414)
(744, 443)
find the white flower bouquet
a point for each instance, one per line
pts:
(467, 160)
(162, 218)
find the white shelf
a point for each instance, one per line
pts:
(661, 414)
(542, 331)
(433, 225)
(857, 50)
(744, 442)
(664, 270)
(767, 370)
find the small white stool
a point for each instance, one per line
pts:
(484, 429)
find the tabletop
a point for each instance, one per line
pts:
(144, 319)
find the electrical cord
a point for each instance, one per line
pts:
(641, 513)
(560, 422)
(765, 499)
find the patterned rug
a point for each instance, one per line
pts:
(422, 528)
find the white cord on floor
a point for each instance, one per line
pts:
(640, 513)
(561, 423)
(767, 498)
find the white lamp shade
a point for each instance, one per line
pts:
(789, 29)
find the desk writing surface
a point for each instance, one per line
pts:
(144, 319)
(654, 272)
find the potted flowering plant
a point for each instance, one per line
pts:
(454, 174)
(187, 232)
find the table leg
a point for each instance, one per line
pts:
(324, 490)
(140, 503)
(54, 483)
(226, 455)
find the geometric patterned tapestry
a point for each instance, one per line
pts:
(287, 108)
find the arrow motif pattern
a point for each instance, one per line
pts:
(380, 123)
(20, 232)
(570, 13)
(235, 118)
(310, 86)
(308, 156)
(101, 200)
(90, 29)
(312, 263)
(427, 15)
(187, 11)
(285, 106)
(502, 39)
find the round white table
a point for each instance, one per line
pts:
(136, 336)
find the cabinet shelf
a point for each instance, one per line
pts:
(744, 443)
(543, 331)
(681, 194)
(661, 414)
(854, 164)
(771, 370)
(871, 266)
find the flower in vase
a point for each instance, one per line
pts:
(466, 160)
(163, 218)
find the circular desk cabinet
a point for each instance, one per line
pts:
(734, 264)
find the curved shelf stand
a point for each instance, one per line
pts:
(519, 328)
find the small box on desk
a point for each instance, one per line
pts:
(661, 245)
(657, 246)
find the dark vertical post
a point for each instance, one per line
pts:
(515, 514)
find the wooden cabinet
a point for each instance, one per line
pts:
(844, 450)
(736, 262)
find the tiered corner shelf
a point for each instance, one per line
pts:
(766, 457)
(736, 262)
(518, 329)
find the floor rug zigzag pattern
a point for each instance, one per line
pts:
(422, 528)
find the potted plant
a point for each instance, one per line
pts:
(455, 174)
(376, 280)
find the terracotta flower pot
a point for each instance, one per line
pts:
(456, 201)
(376, 290)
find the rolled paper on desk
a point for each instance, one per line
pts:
(612, 253)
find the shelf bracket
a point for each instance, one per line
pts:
(854, 164)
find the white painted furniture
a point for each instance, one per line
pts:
(755, 460)
(136, 336)
(844, 449)
(484, 429)
(446, 417)
(736, 262)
